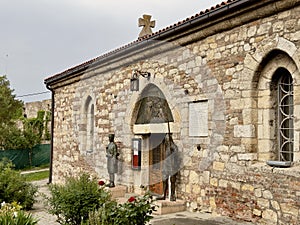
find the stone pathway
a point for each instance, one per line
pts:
(34, 171)
(182, 218)
(189, 218)
(39, 211)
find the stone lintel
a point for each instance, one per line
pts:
(155, 128)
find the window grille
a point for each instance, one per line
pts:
(285, 118)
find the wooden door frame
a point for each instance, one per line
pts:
(156, 186)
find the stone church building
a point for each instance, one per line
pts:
(225, 83)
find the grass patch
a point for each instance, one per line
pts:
(41, 175)
(45, 166)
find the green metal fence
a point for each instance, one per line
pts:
(40, 155)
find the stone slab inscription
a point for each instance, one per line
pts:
(198, 119)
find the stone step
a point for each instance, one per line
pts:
(166, 206)
(128, 195)
(120, 194)
(125, 198)
(121, 200)
(118, 191)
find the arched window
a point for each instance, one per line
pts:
(284, 114)
(89, 114)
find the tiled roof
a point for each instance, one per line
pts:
(139, 40)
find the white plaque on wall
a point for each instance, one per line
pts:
(198, 119)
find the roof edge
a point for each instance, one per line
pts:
(163, 34)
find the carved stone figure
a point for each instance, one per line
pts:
(171, 166)
(112, 160)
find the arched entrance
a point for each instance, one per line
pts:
(153, 120)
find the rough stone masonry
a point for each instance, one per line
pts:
(229, 58)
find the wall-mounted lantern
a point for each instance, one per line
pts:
(134, 81)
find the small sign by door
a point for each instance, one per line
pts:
(136, 153)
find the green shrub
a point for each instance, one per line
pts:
(103, 215)
(14, 187)
(11, 214)
(72, 202)
(134, 211)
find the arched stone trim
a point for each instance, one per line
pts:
(159, 83)
(87, 124)
(128, 123)
(256, 77)
(255, 62)
(266, 129)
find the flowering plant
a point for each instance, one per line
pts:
(131, 199)
(73, 201)
(101, 182)
(137, 210)
(81, 201)
(11, 214)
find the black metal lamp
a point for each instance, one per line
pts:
(134, 81)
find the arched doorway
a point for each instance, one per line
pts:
(153, 120)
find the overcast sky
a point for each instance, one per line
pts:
(40, 38)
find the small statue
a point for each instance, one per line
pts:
(112, 160)
(171, 166)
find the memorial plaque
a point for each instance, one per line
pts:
(198, 119)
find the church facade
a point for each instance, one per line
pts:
(223, 83)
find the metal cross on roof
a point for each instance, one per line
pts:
(147, 25)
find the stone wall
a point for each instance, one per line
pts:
(32, 108)
(232, 70)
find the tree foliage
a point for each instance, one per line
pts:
(11, 110)
(29, 132)
(33, 129)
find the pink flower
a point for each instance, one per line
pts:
(131, 199)
(101, 182)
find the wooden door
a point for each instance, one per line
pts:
(156, 156)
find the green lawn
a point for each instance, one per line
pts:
(37, 175)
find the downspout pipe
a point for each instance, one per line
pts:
(51, 132)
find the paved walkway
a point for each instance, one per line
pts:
(189, 218)
(182, 218)
(39, 210)
(34, 171)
